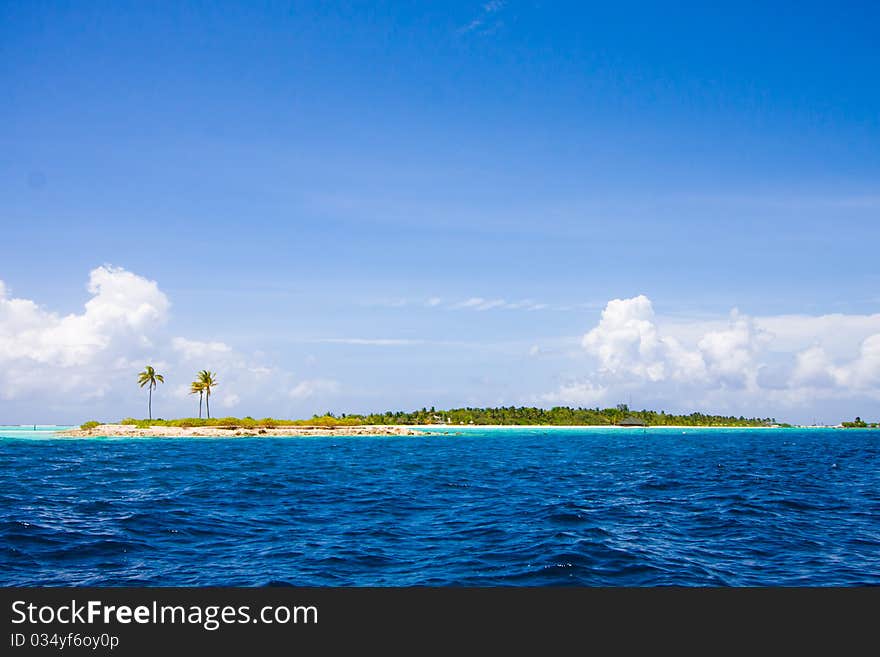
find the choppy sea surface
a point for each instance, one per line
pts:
(528, 507)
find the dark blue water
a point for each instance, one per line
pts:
(509, 507)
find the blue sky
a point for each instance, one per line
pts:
(402, 204)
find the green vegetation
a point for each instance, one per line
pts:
(859, 423)
(149, 377)
(91, 424)
(559, 415)
(244, 423)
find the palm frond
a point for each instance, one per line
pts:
(149, 375)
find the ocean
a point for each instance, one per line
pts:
(524, 507)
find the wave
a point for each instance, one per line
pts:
(522, 508)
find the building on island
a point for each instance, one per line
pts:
(631, 421)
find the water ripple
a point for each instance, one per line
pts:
(509, 507)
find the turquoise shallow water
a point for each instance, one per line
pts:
(497, 507)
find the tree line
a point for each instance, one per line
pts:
(859, 423)
(558, 415)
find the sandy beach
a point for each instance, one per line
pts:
(457, 427)
(130, 431)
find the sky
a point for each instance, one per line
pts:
(373, 206)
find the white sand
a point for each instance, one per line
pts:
(130, 431)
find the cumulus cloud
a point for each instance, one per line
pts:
(41, 350)
(815, 368)
(627, 344)
(124, 307)
(745, 361)
(838, 334)
(864, 371)
(94, 354)
(731, 355)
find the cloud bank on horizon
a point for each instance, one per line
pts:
(793, 362)
(77, 359)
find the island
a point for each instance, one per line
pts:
(408, 423)
(231, 430)
(859, 423)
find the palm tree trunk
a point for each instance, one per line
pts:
(150, 403)
(208, 404)
(201, 394)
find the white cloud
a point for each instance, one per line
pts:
(525, 304)
(194, 349)
(731, 354)
(42, 351)
(813, 367)
(627, 344)
(860, 373)
(742, 362)
(576, 393)
(471, 303)
(839, 335)
(314, 387)
(864, 372)
(49, 360)
(479, 303)
(124, 308)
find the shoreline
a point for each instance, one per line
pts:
(130, 431)
(458, 427)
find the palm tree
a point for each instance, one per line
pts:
(196, 387)
(207, 381)
(152, 379)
